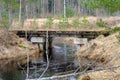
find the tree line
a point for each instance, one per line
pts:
(22, 9)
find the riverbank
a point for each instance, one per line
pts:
(103, 54)
(14, 49)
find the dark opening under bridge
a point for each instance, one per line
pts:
(43, 37)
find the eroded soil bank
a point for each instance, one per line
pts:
(14, 50)
(101, 54)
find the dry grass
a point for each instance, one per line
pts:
(37, 24)
(14, 48)
(113, 74)
(103, 52)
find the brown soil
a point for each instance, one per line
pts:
(102, 52)
(12, 48)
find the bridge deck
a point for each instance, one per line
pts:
(55, 33)
(68, 29)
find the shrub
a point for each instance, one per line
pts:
(5, 15)
(118, 37)
(48, 23)
(101, 23)
(116, 29)
(4, 24)
(75, 22)
(84, 20)
(63, 23)
(113, 30)
(84, 23)
(69, 11)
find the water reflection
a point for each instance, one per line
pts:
(64, 52)
(13, 74)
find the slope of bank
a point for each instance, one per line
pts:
(13, 48)
(101, 53)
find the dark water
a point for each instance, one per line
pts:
(63, 50)
(12, 75)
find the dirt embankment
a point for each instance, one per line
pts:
(13, 49)
(102, 53)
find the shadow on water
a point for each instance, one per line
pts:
(12, 75)
(10, 72)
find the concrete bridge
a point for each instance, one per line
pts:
(44, 38)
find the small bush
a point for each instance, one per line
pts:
(84, 23)
(5, 15)
(69, 11)
(63, 23)
(116, 29)
(4, 24)
(48, 23)
(75, 23)
(84, 20)
(101, 23)
(113, 30)
(118, 37)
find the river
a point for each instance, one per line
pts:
(63, 55)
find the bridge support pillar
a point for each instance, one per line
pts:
(50, 55)
(40, 46)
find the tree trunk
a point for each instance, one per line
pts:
(78, 8)
(20, 14)
(1, 8)
(0, 13)
(23, 11)
(54, 8)
(51, 6)
(42, 8)
(10, 14)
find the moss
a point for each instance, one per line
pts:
(19, 43)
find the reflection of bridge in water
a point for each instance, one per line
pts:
(46, 37)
